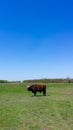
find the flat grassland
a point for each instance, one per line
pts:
(20, 110)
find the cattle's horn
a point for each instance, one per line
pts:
(27, 86)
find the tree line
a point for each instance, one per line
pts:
(67, 80)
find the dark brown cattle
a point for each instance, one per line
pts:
(37, 88)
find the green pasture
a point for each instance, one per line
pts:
(20, 110)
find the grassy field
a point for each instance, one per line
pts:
(20, 110)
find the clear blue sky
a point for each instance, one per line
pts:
(36, 39)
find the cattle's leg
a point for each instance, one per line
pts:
(44, 92)
(34, 93)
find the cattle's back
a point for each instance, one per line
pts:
(39, 86)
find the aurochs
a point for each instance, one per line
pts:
(37, 88)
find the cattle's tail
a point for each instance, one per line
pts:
(44, 92)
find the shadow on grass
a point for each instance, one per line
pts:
(41, 95)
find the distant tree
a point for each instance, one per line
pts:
(3, 81)
(68, 80)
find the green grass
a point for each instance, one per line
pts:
(20, 110)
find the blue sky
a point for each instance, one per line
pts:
(36, 39)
